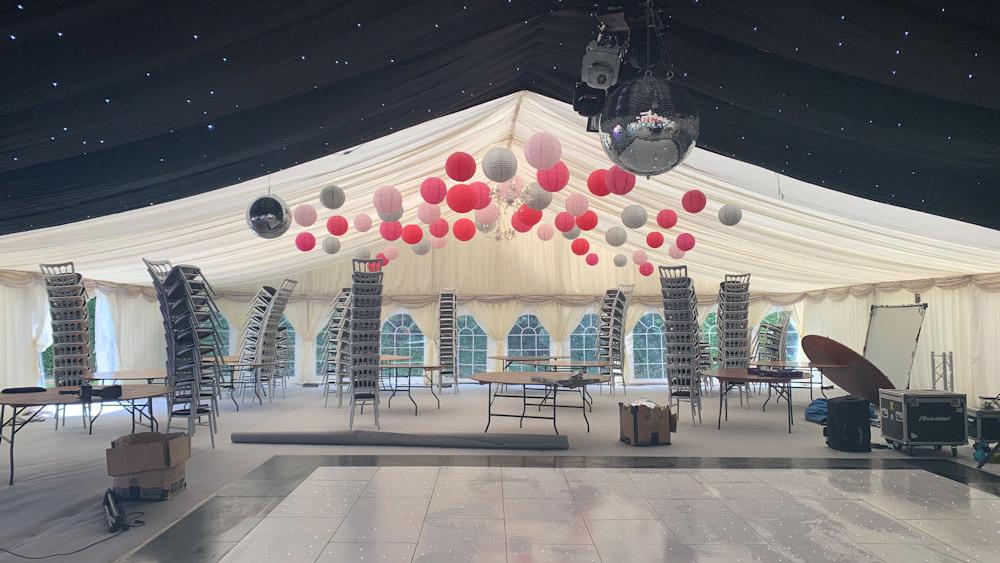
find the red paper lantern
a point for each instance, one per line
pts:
(693, 201)
(553, 179)
(461, 198)
(654, 239)
(464, 229)
(530, 216)
(580, 246)
(439, 228)
(482, 195)
(619, 181)
(597, 182)
(666, 218)
(433, 190)
(305, 242)
(460, 166)
(591, 259)
(519, 224)
(412, 234)
(382, 258)
(565, 222)
(390, 230)
(685, 241)
(336, 225)
(587, 221)
(646, 269)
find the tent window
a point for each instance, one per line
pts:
(527, 338)
(224, 333)
(91, 328)
(791, 338)
(583, 340)
(472, 343)
(320, 343)
(710, 333)
(290, 343)
(402, 337)
(648, 354)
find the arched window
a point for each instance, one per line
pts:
(287, 354)
(402, 337)
(320, 346)
(791, 336)
(472, 344)
(648, 347)
(710, 333)
(583, 339)
(224, 334)
(527, 338)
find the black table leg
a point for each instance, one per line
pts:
(14, 429)
(409, 389)
(436, 398)
(583, 406)
(555, 393)
(489, 407)
(788, 398)
(524, 405)
(722, 392)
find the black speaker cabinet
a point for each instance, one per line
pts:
(913, 417)
(984, 424)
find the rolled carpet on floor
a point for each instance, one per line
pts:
(370, 438)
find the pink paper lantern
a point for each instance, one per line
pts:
(565, 222)
(482, 195)
(592, 259)
(439, 228)
(464, 229)
(412, 234)
(390, 230)
(336, 225)
(576, 204)
(542, 150)
(639, 257)
(597, 182)
(675, 252)
(646, 269)
(305, 242)
(428, 212)
(362, 222)
(438, 243)
(304, 215)
(391, 252)
(685, 241)
(666, 218)
(619, 181)
(553, 179)
(654, 239)
(587, 220)
(461, 198)
(387, 199)
(460, 166)
(433, 190)
(694, 201)
(488, 215)
(545, 232)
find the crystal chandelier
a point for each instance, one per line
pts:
(508, 197)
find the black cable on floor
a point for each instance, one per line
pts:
(134, 524)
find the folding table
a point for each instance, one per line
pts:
(528, 379)
(731, 377)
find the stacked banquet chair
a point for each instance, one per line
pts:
(259, 341)
(284, 360)
(71, 353)
(364, 314)
(732, 319)
(769, 344)
(448, 338)
(684, 353)
(194, 346)
(610, 333)
(335, 359)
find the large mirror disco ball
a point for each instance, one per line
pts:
(649, 125)
(269, 217)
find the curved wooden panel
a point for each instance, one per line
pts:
(845, 367)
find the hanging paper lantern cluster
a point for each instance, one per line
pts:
(461, 198)
(433, 190)
(427, 213)
(412, 234)
(362, 222)
(693, 201)
(553, 179)
(666, 218)
(616, 236)
(460, 166)
(684, 242)
(580, 246)
(499, 164)
(565, 221)
(464, 229)
(332, 197)
(336, 225)
(654, 239)
(481, 195)
(618, 181)
(730, 215)
(390, 230)
(305, 242)
(587, 220)
(304, 215)
(542, 150)
(591, 259)
(576, 204)
(438, 228)
(597, 182)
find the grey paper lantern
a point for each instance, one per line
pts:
(331, 245)
(634, 216)
(616, 236)
(649, 125)
(730, 215)
(332, 197)
(572, 233)
(537, 198)
(268, 217)
(363, 254)
(499, 164)
(421, 248)
(621, 260)
(390, 216)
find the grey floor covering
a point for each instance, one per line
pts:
(436, 440)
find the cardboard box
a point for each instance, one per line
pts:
(646, 425)
(147, 451)
(159, 484)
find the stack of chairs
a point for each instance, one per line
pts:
(684, 352)
(335, 358)
(71, 354)
(610, 333)
(732, 318)
(769, 343)
(448, 337)
(259, 341)
(365, 314)
(195, 350)
(250, 341)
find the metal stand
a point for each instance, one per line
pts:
(943, 371)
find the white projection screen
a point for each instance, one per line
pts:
(893, 333)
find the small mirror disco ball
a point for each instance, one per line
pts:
(268, 217)
(649, 125)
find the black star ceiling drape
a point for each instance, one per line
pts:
(110, 105)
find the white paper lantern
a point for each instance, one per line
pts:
(545, 231)
(421, 248)
(576, 204)
(499, 164)
(621, 260)
(542, 150)
(428, 213)
(572, 233)
(537, 198)
(390, 216)
(616, 236)
(363, 254)
(730, 215)
(634, 216)
(675, 252)
(331, 245)
(332, 197)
